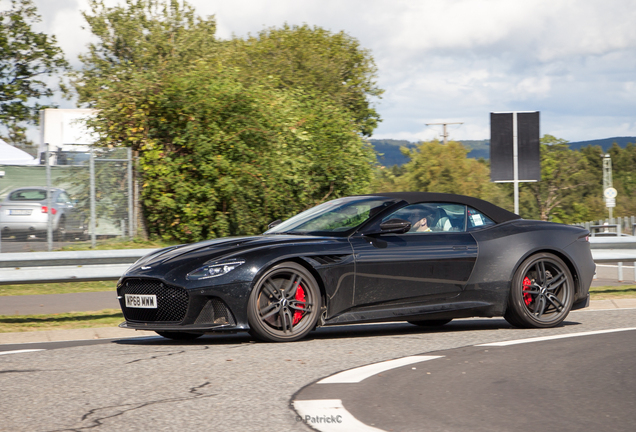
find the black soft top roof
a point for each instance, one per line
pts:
(494, 212)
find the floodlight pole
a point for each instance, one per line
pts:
(607, 178)
(49, 203)
(445, 135)
(91, 170)
(515, 159)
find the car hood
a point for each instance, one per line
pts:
(217, 248)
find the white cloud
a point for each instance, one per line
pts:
(456, 59)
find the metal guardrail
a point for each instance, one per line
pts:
(614, 250)
(627, 242)
(68, 266)
(75, 266)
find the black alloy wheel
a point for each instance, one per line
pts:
(182, 336)
(285, 304)
(431, 323)
(541, 294)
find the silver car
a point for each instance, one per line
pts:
(25, 212)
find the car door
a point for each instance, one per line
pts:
(415, 266)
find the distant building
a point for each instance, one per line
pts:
(67, 135)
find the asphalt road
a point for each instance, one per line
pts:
(562, 383)
(231, 383)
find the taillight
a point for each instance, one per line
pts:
(45, 209)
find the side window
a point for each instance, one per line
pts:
(477, 220)
(62, 198)
(432, 217)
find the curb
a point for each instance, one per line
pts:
(625, 303)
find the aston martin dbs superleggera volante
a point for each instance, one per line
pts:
(425, 258)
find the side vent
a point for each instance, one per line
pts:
(330, 259)
(215, 312)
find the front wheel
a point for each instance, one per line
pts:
(285, 304)
(541, 294)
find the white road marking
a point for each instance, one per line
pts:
(546, 338)
(329, 415)
(83, 340)
(20, 351)
(361, 373)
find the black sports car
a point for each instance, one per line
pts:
(425, 258)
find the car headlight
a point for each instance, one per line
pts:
(215, 270)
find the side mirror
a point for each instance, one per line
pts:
(398, 226)
(273, 224)
(395, 226)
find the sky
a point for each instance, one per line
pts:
(453, 60)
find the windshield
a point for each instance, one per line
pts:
(28, 195)
(333, 217)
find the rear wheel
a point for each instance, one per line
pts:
(431, 323)
(284, 305)
(60, 232)
(179, 335)
(541, 294)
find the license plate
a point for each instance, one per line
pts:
(20, 212)
(141, 301)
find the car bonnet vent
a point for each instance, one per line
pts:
(330, 259)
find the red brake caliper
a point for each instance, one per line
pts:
(300, 296)
(527, 298)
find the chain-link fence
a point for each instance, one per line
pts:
(91, 198)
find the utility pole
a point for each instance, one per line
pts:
(445, 135)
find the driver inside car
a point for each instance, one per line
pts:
(431, 219)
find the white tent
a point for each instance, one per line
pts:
(10, 155)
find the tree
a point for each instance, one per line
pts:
(435, 167)
(312, 59)
(220, 158)
(222, 151)
(26, 58)
(142, 35)
(564, 177)
(624, 180)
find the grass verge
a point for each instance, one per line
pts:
(135, 243)
(57, 288)
(613, 292)
(63, 321)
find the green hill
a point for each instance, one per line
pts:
(606, 143)
(391, 154)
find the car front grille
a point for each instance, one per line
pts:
(172, 301)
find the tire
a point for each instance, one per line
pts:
(285, 304)
(541, 294)
(60, 233)
(431, 323)
(182, 336)
(21, 237)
